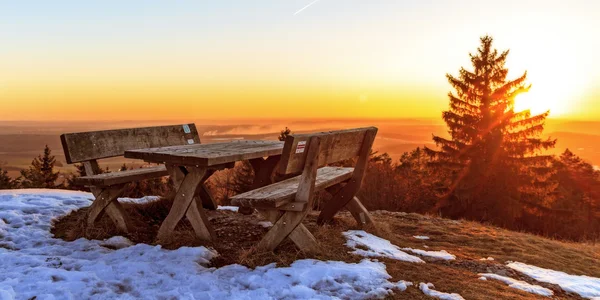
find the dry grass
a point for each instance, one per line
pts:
(469, 241)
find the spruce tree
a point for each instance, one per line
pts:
(493, 152)
(6, 182)
(284, 134)
(41, 172)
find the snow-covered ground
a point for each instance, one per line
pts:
(442, 254)
(230, 208)
(521, 285)
(34, 264)
(369, 245)
(428, 289)
(585, 286)
(421, 237)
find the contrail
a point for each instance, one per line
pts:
(315, 1)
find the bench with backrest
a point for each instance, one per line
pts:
(88, 147)
(287, 203)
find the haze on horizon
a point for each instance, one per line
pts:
(155, 60)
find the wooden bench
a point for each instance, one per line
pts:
(286, 203)
(88, 147)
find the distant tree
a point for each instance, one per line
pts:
(492, 151)
(284, 134)
(41, 173)
(579, 186)
(6, 182)
(242, 178)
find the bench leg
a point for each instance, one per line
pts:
(300, 235)
(106, 201)
(288, 224)
(341, 198)
(181, 204)
(359, 212)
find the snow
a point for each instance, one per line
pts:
(369, 245)
(482, 278)
(585, 286)
(34, 264)
(403, 285)
(442, 254)
(117, 242)
(521, 285)
(146, 199)
(421, 237)
(265, 224)
(230, 208)
(489, 258)
(428, 289)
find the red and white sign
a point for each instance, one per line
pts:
(301, 146)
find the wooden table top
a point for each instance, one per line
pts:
(206, 155)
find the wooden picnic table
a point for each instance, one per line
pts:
(190, 166)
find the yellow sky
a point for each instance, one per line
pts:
(242, 60)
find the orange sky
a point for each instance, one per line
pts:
(246, 60)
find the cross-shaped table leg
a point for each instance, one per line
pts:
(186, 203)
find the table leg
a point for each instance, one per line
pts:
(187, 183)
(263, 171)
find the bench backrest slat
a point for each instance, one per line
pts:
(335, 146)
(85, 146)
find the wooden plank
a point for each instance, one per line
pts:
(197, 217)
(306, 186)
(183, 199)
(347, 193)
(359, 212)
(300, 235)
(118, 215)
(206, 198)
(106, 197)
(335, 146)
(114, 209)
(280, 193)
(208, 155)
(84, 146)
(119, 177)
(291, 219)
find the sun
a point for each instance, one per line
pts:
(546, 95)
(537, 104)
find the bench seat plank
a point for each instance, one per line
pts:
(114, 178)
(283, 192)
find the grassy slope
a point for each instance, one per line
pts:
(469, 241)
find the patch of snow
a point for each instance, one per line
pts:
(265, 224)
(143, 200)
(421, 237)
(34, 264)
(489, 258)
(117, 242)
(520, 285)
(482, 278)
(231, 208)
(425, 246)
(376, 246)
(442, 254)
(585, 286)
(428, 289)
(403, 285)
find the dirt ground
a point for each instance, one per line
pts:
(237, 235)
